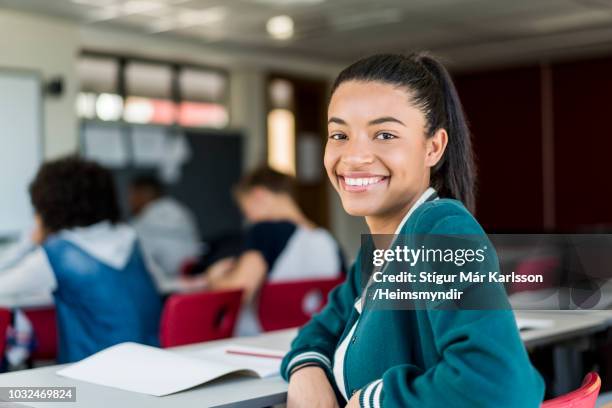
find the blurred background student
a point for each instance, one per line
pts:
(281, 244)
(166, 229)
(88, 259)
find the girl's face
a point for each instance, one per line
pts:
(377, 156)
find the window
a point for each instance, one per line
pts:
(203, 94)
(148, 80)
(151, 92)
(98, 74)
(281, 127)
(281, 141)
(99, 97)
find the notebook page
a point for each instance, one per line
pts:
(148, 370)
(264, 362)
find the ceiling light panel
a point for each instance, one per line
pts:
(182, 18)
(94, 3)
(290, 3)
(280, 27)
(141, 6)
(468, 12)
(350, 21)
(581, 19)
(188, 17)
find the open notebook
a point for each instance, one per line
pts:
(150, 370)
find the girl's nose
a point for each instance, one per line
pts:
(357, 152)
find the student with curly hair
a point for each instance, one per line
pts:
(90, 261)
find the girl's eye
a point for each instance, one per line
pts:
(385, 136)
(337, 136)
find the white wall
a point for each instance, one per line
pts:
(48, 46)
(248, 112)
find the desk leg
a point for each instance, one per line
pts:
(568, 367)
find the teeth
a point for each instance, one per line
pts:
(361, 181)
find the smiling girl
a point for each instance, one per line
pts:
(399, 154)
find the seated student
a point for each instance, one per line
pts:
(91, 262)
(399, 154)
(166, 229)
(280, 245)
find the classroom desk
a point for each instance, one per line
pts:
(571, 333)
(565, 325)
(236, 391)
(240, 391)
(32, 301)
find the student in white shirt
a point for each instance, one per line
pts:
(166, 229)
(281, 244)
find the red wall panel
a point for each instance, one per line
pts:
(504, 111)
(583, 142)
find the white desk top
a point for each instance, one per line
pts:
(565, 325)
(251, 392)
(31, 301)
(239, 391)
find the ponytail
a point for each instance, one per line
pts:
(455, 173)
(433, 92)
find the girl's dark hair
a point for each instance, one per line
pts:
(71, 192)
(431, 90)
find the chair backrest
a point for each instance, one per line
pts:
(545, 266)
(5, 321)
(44, 325)
(583, 397)
(197, 317)
(290, 304)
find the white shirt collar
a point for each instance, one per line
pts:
(424, 197)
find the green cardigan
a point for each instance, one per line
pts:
(421, 358)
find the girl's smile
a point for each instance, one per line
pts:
(361, 182)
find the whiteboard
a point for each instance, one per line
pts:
(20, 147)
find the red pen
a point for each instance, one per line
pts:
(251, 354)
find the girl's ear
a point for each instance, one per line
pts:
(435, 147)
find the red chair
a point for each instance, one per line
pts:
(197, 317)
(44, 325)
(291, 304)
(545, 266)
(5, 321)
(583, 397)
